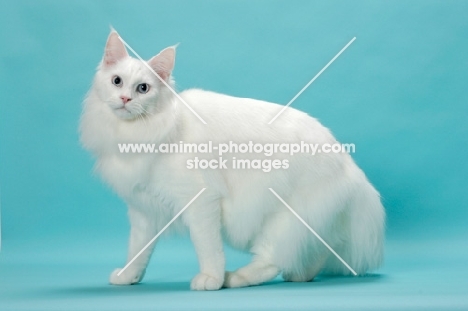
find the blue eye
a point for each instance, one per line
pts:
(143, 88)
(117, 81)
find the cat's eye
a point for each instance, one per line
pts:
(143, 88)
(116, 80)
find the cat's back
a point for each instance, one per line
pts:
(212, 104)
(229, 113)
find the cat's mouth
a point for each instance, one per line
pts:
(121, 109)
(123, 112)
(118, 107)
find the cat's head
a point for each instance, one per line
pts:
(127, 86)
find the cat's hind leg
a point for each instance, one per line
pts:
(284, 245)
(307, 272)
(263, 267)
(256, 272)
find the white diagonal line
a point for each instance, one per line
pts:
(313, 79)
(313, 231)
(160, 232)
(162, 80)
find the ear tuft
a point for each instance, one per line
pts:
(163, 63)
(115, 49)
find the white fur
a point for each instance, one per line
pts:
(328, 190)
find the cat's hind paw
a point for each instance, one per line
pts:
(235, 279)
(204, 281)
(127, 277)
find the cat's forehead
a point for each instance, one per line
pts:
(133, 69)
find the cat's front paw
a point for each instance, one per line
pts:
(127, 277)
(204, 281)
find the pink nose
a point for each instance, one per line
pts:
(125, 99)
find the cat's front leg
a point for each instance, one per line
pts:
(205, 232)
(141, 232)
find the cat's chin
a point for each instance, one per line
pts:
(124, 114)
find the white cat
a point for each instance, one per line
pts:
(128, 104)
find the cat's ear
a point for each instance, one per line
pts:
(163, 63)
(115, 50)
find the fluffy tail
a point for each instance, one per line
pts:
(363, 243)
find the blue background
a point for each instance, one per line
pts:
(399, 92)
